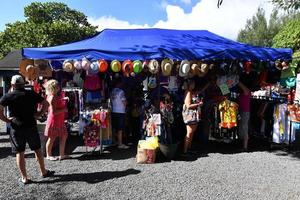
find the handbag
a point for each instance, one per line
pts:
(189, 115)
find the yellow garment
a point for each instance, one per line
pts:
(228, 114)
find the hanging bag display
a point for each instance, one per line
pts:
(189, 115)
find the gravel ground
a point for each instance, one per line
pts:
(217, 173)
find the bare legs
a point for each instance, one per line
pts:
(49, 146)
(62, 145)
(190, 130)
(20, 158)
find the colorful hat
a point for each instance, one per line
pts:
(166, 67)
(115, 66)
(127, 67)
(68, 66)
(94, 68)
(44, 69)
(78, 65)
(85, 64)
(153, 66)
(102, 65)
(137, 66)
(184, 68)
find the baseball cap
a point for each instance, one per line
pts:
(17, 80)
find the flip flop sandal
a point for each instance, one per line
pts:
(25, 182)
(52, 158)
(48, 174)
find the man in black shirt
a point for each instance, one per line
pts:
(22, 106)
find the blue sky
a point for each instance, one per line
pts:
(175, 14)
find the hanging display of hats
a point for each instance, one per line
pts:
(115, 66)
(102, 65)
(153, 66)
(85, 64)
(94, 68)
(166, 67)
(127, 67)
(77, 65)
(184, 68)
(44, 68)
(68, 66)
(23, 64)
(137, 66)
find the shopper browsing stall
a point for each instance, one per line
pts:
(55, 126)
(119, 102)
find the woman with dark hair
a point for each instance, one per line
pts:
(190, 113)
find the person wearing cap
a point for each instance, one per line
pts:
(22, 106)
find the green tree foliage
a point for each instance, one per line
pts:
(258, 32)
(289, 35)
(287, 4)
(46, 24)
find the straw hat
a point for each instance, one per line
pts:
(127, 67)
(203, 70)
(23, 64)
(94, 68)
(184, 68)
(44, 68)
(68, 66)
(85, 64)
(137, 66)
(166, 67)
(32, 72)
(194, 70)
(115, 66)
(153, 66)
(102, 65)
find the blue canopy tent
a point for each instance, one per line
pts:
(143, 44)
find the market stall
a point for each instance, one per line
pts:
(161, 61)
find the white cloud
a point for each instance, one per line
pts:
(111, 22)
(225, 21)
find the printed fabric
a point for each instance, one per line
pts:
(228, 114)
(117, 99)
(281, 124)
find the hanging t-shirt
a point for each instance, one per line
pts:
(228, 114)
(117, 99)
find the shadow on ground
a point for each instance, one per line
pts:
(92, 178)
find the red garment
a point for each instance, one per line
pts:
(244, 102)
(92, 82)
(55, 126)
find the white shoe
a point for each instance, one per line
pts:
(123, 146)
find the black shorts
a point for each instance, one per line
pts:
(118, 121)
(19, 137)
